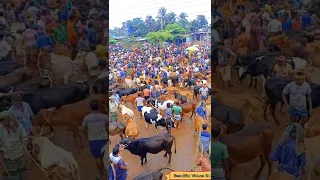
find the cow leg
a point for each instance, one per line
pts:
(170, 155)
(263, 82)
(251, 81)
(255, 83)
(262, 164)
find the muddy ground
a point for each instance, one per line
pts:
(183, 160)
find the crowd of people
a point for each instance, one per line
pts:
(30, 30)
(158, 62)
(243, 29)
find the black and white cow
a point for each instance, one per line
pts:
(151, 116)
(262, 67)
(160, 104)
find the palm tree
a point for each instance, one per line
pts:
(171, 18)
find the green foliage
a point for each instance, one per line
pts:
(159, 36)
(169, 21)
(112, 41)
(176, 30)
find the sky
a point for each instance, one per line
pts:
(123, 10)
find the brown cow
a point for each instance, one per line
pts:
(249, 143)
(312, 128)
(131, 98)
(16, 77)
(69, 116)
(171, 89)
(187, 107)
(281, 176)
(250, 105)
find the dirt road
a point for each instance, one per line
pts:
(182, 161)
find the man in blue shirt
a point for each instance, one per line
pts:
(306, 20)
(204, 139)
(287, 25)
(44, 40)
(290, 152)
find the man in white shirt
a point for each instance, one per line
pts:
(275, 25)
(204, 92)
(5, 49)
(92, 63)
(140, 103)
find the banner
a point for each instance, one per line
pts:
(189, 175)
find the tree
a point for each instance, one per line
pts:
(176, 30)
(112, 41)
(170, 18)
(183, 22)
(202, 21)
(151, 24)
(159, 36)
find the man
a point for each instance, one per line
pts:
(224, 61)
(219, 157)
(282, 68)
(204, 162)
(5, 49)
(275, 25)
(95, 124)
(116, 97)
(146, 94)
(92, 63)
(119, 165)
(287, 25)
(177, 110)
(289, 155)
(22, 112)
(140, 102)
(13, 141)
(204, 139)
(298, 91)
(113, 106)
(204, 92)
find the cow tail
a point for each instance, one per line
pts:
(175, 145)
(266, 105)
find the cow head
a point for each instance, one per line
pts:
(125, 142)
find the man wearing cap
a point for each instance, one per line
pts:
(299, 93)
(113, 106)
(13, 141)
(282, 68)
(22, 112)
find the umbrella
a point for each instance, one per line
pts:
(192, 48)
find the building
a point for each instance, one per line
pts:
(200, 37)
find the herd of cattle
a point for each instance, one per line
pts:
(66, 105)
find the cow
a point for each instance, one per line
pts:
(181, 98)
(126, 111)
(55, 161)
(229, 116)
(129, 99)
(262, 67)
(100, 85)
(274, 88)
(190, 82)
(153, 145)
(126, 92)
(161, 105)
(32, 85)
(249, 143)
(56, 96)
(69, 116)
(16, 77)
(151, 116)
(154, 175)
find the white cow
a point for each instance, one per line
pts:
(54, 160)
(128, 83)
(124, 110)
(162, 105)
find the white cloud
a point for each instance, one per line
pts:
(123, 10)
